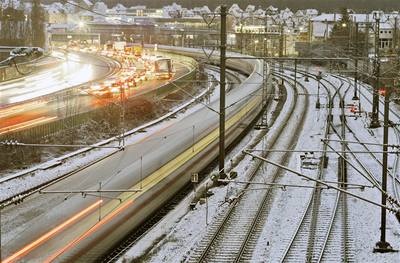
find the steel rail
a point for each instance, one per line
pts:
(229, 213)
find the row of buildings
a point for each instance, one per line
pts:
(252, 30)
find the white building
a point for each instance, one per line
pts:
(322, 26)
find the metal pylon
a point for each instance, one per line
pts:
(263, 123)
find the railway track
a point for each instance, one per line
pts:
(337, 242)
(395, 166)
(233, 237)
(391, 172)
(325, 214)
(183, 156)
(115, 253)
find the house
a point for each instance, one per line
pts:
(322, 25)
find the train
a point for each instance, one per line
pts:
(90, 248)
(162, 170)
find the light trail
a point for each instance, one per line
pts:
(26, 124)
(90, 231)
(51, 233)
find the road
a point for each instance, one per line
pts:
(45, 226)
(52, 94)
(75, 69)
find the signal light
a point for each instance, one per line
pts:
(382, 91)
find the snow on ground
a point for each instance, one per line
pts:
(288, 206)
(365, 218)
(181, 230)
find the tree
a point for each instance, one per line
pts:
(340, 35)
(38, 27)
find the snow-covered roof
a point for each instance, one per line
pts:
(138, 7)
(312, 12)
(202, 10)
(16, 4)
(87, 2)
(235, 10)
(118, 8)
(55, 8)
(327, 17)
(100, 7)
(272, 9)
(250, 8)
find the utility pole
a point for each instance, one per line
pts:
(395, 35)
(295, 73)
(122, 116)
(241, 33)
(281, 47)
(377, 64)
(383, 246)
(368, 26)
(264, 119)
(355, 97)
(222, 94)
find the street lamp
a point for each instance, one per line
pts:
(255, 46)
(81, 24)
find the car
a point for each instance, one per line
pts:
(103, 93)
(96, 86)
(131, 82)
(115, 87)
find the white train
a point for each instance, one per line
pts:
(163, 171)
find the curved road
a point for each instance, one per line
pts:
(75, 69)
(49, 94)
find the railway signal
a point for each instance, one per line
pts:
(382, 91)
(319, 77)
